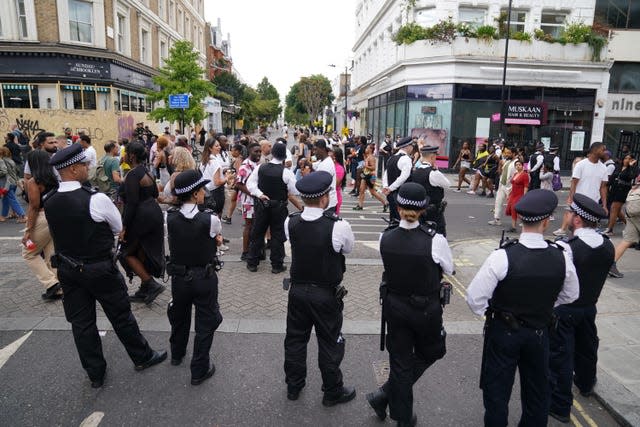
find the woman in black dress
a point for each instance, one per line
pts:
(142, 236)
(620, 184)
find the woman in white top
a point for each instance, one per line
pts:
(212, 169)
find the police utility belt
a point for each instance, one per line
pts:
(57, 260)
(339, 291)
(512, 322)
(190, 272)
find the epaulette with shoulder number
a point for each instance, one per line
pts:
(508, 242)
(426, 228)
(173, 209)
(566, 239)
(331, 215)
(392, 225)
(294, 214)
(554, 245)
(49, 194)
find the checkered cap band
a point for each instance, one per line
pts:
(417, 203)
(315, 195)
(73, 160)
(534, 218)
(190, 187)
(584, 214)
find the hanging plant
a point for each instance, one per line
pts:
(596, 42)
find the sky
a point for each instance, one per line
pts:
(285, 40)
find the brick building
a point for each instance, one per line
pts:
(86, 64)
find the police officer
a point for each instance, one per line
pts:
(193, 240)
(574, 343)
(82, 224)
(397, 172)
(319, 241)
(414, 258)
(270, 184)
(434, 182)
(536, 161)
(517, 297)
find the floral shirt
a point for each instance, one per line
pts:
(246, 169)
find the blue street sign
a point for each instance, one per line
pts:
(180, 101)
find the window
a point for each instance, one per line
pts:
(172, 13)
(144, 47)
(180, 22)
(472, 17)
(163, 52)
(72, 97)
(22, 19)
(517, 20)
(15, 96)
(121, 33)
(187, 28)
(89, 98)
(161, 8)
(426, 16)
(80, 18)
(552, 23)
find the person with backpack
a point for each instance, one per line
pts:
(108, 170)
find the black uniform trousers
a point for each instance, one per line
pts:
(201, 292)
(102, 282)
(270, 215)
(505, 350)
(574, 349)
(311, 306)
(415, 340)
(393, 206)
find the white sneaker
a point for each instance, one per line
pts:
(471, 192)
(457, 190)
(495, 222)
(223, 248)
(560, 232)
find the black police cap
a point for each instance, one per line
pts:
(189, 181)
(536, 205)
(428, 149)
(68, 156)
(412, 196)
(404, 142)
(587, 208)
(314, 185)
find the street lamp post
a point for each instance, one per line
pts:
(504, 73)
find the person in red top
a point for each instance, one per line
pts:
(519, 186)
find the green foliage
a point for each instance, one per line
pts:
(307, 98)
(228, 85)
(442, 32)
(576, 33)
(539, 34)
(486, 32)
(266, 90)
(408, 33)
(521, 36)
(465, 30)
(596, 42)
(502, 24)
(181, 74)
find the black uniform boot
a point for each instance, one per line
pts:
(412, 423)
(154, 289)
(379, 401)
(141, 294)
(344, 395)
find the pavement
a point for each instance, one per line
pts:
(248, 387)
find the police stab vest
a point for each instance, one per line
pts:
(532, 284)
(393, 172)
(75, 234)
(313, 259)
(270, 181)
(421, 176)
(592, 266)
(190, 242)
(408, 262)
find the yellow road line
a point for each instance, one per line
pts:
(456, 285)
(575, 421)
(584, 414)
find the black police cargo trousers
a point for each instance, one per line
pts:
(268, 217)
(201, 292)
(308, 307)
(574, 349)
(505, 350)
(100, 282)
(415, 340)
(393, 206)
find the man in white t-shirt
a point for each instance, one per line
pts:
(325, 163)
(89, 151)
(590, 178)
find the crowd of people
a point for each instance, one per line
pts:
(71, 221)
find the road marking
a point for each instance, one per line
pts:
(457, 286)
(92, 420)
(9, 350)
(584, 414)
(10, 238)
(575, 421)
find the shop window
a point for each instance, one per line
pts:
(149, 104)
(80, 21)
(399, 128)
(89, 98)
(625, 77)
(141, 105)
(124, 102)
(15, 96)
(35, 97)
(552, 23)
(517, 20)
(472, 17)
(480, 92)
(444, 91)
(72, 97)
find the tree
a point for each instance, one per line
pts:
(180, 75)
(294, 111)
(268, 102)
(228, 84)
(314, 93)
(266, 90)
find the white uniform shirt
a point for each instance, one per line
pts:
(436, 178)
(101, 207)
(495, 269)
(539, 159)
(327, 165)
(287, 176)
(588, 235)
(342, 238)
(189, 210)
(404, 164)
(92, 157)
(209, 170)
